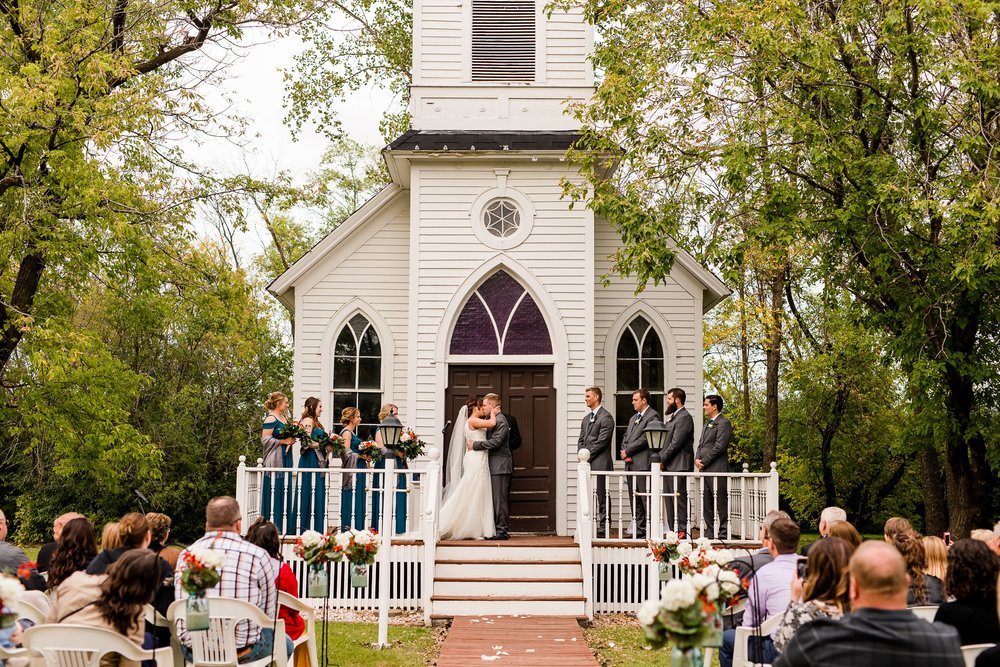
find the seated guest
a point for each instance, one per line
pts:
(971, 580)
(248, 575)
(937, 556)
(159, 530)
(264, 534)
(114, 601)
(109, 536)
(924, 588)
(11, 556)
(827, 518)
(45, 553)
(133, 533)
(77, 548)
(880, 631)
(823, 591)
(846, 531)
(893, 525)
(982, 535)
(769, 593)
(748, 565)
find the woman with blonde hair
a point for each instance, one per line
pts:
(276, 505)
(401, 464)
(937, 556)
(109, 536)
(895, 525)
(846, 531)
(354, 488)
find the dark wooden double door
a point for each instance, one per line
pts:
(528, 395)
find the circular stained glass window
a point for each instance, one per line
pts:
(501, 218)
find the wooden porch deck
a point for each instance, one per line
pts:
(552, 641)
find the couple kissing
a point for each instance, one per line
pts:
(480, 467)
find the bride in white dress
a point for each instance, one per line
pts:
(467, 512)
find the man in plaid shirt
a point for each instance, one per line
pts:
(248, 575)
(880, 631)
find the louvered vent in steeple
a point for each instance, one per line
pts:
(503, 40)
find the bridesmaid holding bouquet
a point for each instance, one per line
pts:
(312, 505)
(275, 505)
(352, 494)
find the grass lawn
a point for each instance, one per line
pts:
(624, 645)
(350, 645)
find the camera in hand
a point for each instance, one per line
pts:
(803, 568)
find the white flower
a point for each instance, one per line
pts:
(648, 611)
(678, 594)
(10, 590)
(730, 582)
(365, 537)
(311, 538)
(684, 549)
(343, 540)
(703, 543)
(671, 539)
(211, 558)
(722, 556)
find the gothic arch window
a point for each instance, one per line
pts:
(500, 317)
(639, 362)
(357, 374)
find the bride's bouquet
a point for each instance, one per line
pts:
(410, 444)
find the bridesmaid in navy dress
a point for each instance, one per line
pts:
(400, 527)
(275, 504)
(312, 505)
(352, 493)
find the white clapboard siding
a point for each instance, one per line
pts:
(371, 266)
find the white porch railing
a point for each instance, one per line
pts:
(299, 499)
(673, 501)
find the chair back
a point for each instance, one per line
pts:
(29, 611)
(971, 651)
(741, 649)
(925, 611)
(69, 645)
(216, 647)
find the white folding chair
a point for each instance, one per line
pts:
(309, 636)
(8, 653)
(926, 611)
(26, 610)
(216, 647)
(68, 645)
(971, 651)
(741, 646)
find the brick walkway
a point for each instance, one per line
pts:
(552, 641)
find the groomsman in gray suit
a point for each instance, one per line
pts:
(713, 456)
(635, 453)
(596, 433)
(501, 462)
(678, 456)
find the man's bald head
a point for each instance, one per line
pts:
(61, 521)
(878, 577)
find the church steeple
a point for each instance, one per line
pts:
(497, 65)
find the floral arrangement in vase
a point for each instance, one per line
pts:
(688, 613)
(665, 553)
(202, 571)
(371, 449)
(359, 548)
(317, 550)
(10, 593)
(694, 559)
(410, 444)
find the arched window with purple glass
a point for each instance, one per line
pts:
(500, 317)
(639, 364)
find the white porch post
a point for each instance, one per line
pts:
(429, 519)
(385, 553)
(772, 489)
(656, 524)
(583, 530)
(243, 490)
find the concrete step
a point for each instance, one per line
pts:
(501, 551)
(447, 606)
(493, 587)
(465, 569)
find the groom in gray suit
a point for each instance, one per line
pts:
(635, 453)
(597, 430)
(497, 443)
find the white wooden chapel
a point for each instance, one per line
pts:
(471, 273)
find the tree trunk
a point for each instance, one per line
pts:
(827, 434)
(744, 350)
(22, 297)
(935, 512)
(773, 357)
